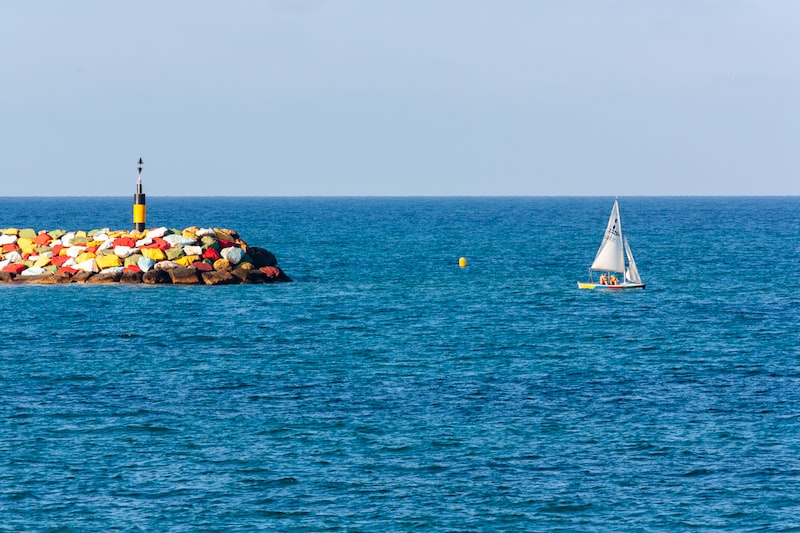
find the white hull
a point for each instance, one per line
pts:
(591, 285)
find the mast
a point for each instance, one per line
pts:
(621, 236)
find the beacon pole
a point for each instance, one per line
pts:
(139, 213)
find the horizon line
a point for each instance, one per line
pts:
(410, 196)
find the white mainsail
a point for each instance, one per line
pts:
(611, 256)
(632, 274)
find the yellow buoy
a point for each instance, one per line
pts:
(462, 262)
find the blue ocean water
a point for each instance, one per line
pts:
(387, 389)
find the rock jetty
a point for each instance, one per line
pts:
(192, 256)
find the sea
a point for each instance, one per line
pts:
(388, 389)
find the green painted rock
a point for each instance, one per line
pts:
(132, 259)
(208, 240)
(174, 253)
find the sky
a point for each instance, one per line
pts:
(400, 97)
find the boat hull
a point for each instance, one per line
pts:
(597, 286)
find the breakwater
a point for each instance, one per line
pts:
(192, 256)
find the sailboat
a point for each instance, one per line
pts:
(613, 259)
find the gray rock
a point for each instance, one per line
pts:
(105, 277)
(152, 277)
(262, 257)
(184, 275)
(81, 276)
(131, 277)
(218, 278)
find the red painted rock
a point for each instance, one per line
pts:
(271, 272)
(43, 239)
(125, 241)
(202, 267)
(274, 274)
(15, 268)
(158, 243)
(211, 253)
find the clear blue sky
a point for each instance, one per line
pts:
(401, 97)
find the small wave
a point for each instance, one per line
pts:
(559, 508)
(150, 429)
(698, 472)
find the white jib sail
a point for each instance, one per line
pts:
(632, 274)
(611, 257)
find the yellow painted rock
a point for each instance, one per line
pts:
(108, 261)
(187, 260)
(42, 261)
(222, 265)
(84, 257)
(26, 245)
(11, 231)
(225, 234)
(154, 253)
